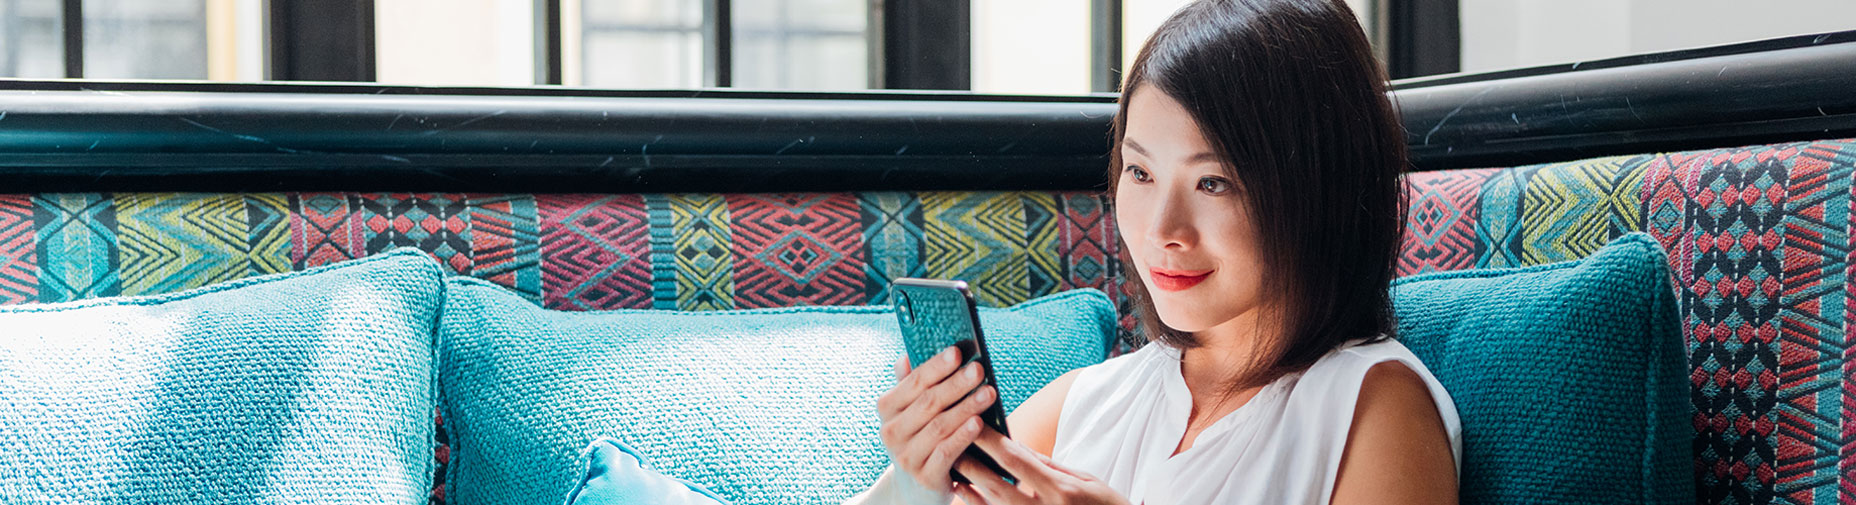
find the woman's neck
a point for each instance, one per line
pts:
(1225, 352)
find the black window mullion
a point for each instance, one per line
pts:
(548, 42)
(321, 40)
(1105, 45)
(718, 43)
(1423, 38)
(927, 44)
(73, 39)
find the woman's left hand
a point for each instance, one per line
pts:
(1040, 481)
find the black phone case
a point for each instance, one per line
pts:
(936, 314)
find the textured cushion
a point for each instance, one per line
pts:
(1569, 377)
(760, 406)
(616, 475)
(309, 387)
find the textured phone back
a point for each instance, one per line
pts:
(941, 319)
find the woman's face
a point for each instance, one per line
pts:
(1184, 220)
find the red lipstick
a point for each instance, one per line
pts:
(1177, 280)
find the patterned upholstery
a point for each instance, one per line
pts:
(1759, 240)
(572, 252)
(1760, 237)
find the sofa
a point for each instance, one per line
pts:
(132, 188)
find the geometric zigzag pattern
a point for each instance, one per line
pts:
(19, 272)
(796, 249)
(595, 251)
(1759, 239)
(1812, 311)
(1440, 222)
(232, 237)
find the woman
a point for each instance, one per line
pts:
(1255, 177)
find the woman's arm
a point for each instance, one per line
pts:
(1034, 423)
(1397, 449)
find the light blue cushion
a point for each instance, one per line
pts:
(308, 387)
(616, 475)
(1570, 379)
(760, 406)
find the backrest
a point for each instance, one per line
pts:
(1759, 238)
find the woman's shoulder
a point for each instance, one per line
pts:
(1374, 383)
(1400, 418)
(1368, 365)
(1347, 365)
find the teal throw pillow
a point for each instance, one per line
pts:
(307, 387)
(1570, 378)
(759, 406)
(616, 475)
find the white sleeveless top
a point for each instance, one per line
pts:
(1123, 417)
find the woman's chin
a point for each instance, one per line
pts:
(1194, 318)
(1186, 323)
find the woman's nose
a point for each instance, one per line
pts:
(1169, 227)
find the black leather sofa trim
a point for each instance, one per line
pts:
(1796, 88)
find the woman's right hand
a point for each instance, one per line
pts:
(926, 424)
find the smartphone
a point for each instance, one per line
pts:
(937, 314)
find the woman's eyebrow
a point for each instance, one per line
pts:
(1199, 157)
(1136, 146)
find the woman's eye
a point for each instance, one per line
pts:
(1214, 185)
(1138, 174)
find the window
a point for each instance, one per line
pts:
(640, 44)
(139, 39)
(1050, 56)
(132, 39)
(31, 43)
(1503, 34)
(801, 44)
(987, 46)
(455, 42)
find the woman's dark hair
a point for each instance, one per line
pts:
(1289, 95)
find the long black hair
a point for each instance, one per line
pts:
(1292, 100)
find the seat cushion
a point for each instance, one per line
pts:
(307, 387)
(759, 406)
(1569, 378)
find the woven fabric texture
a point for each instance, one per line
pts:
(1528, 352)
(1759, 240)
(759, 406)
(314, 387)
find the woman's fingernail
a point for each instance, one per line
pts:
(948, 355)
(973, 370)
(973, 424)
(985, 394)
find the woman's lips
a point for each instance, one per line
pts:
(1177, 280)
